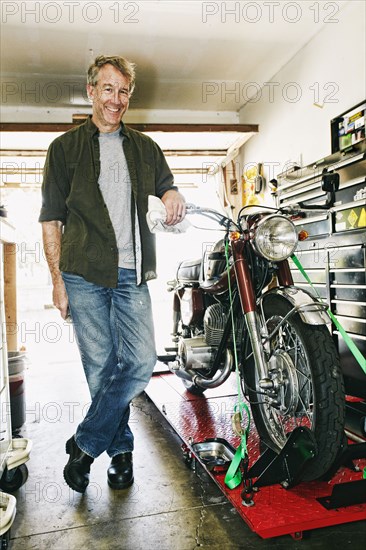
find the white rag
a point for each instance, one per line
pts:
(156, 217)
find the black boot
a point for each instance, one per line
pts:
(76, 471)
(120, 471)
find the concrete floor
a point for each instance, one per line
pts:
(168, 507)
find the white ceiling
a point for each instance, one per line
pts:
(189, 54)
(196, 62)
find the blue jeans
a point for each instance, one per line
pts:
(115, 335)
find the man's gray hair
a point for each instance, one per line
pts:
(123, 65)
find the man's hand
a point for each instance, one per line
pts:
(60, 299)
(175, 205)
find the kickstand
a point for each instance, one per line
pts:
(248, 491)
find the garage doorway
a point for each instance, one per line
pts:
(197, 155)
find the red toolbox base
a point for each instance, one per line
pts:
(276, 511)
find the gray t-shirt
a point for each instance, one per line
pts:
(115, 185)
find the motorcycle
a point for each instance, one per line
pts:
(238, 304)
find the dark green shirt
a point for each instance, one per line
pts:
(71, 194)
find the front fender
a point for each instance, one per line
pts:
(311, 310)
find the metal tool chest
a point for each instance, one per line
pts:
(333, 255)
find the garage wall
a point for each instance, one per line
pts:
(321, 81)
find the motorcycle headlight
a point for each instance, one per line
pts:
(274, 237)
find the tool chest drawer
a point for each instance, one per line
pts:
(346, 276)
(315, 225)
(311, 193)
(350, 191)
(316, 276)
(350, 216)
(311, 259)
(354, 376)
(353, 324)
(355, 293)
(315, 256)
(348, 308)
(318, 290)
(346, 257)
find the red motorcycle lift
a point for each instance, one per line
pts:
(275, 503)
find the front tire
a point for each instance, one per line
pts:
(308, 381)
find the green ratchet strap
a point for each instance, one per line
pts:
(233, 475)
(352, 346)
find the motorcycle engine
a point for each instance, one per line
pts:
(198, 352)
(194, 353)
(214, 323)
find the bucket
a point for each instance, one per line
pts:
(16, 366)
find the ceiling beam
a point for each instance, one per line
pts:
(23, 152)
(167, 152)
(63, 127)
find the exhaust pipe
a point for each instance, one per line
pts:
(192, 376)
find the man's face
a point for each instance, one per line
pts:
(110, 98)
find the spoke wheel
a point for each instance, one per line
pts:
(307, 386)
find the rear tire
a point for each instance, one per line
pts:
(310, 392)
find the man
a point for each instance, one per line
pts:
(100, 253)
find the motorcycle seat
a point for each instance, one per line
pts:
(189, 271)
